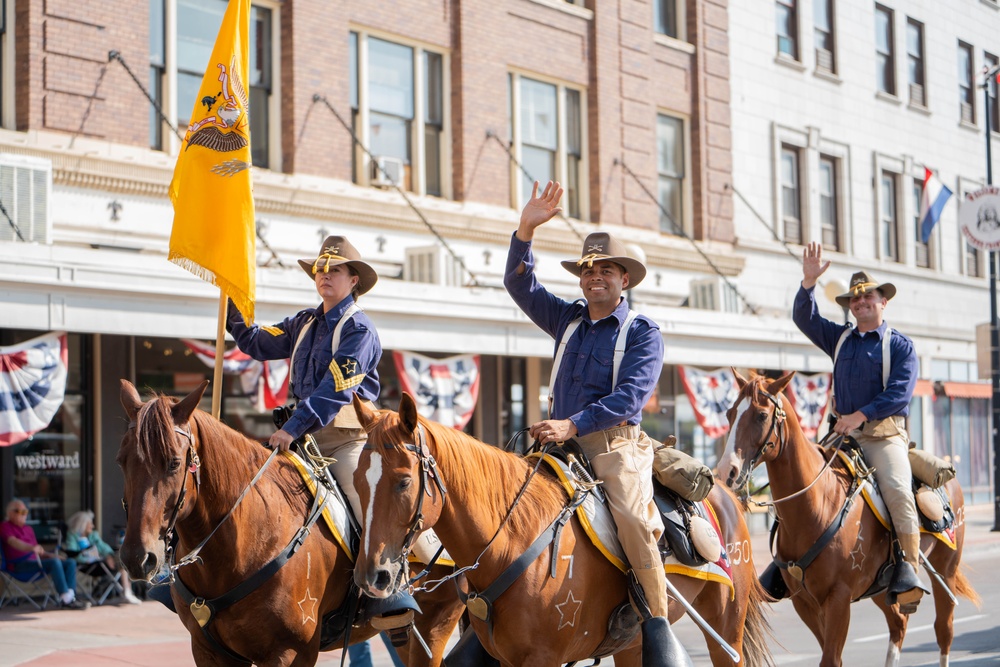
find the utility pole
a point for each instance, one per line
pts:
(988, 76)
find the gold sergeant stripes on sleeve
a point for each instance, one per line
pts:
(340, 382)
(274, 331)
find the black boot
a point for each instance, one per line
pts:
(394, 615)
(660, 647)
(469, 652)
(905, 588)
(773, 583)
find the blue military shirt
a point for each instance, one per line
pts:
(857, 376)
(583, 391)
(324, 382)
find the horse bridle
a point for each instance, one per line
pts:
(777, 429)
(428, 471)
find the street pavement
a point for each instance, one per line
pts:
(149, 635)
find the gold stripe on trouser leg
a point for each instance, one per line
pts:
(622, 459)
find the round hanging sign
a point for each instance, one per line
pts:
(979, 218)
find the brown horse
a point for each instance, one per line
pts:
(764, 429)
(539, 620)
(184, 469)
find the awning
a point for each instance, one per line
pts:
(967, 389)
(924, 388)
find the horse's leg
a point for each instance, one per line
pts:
(944, 608)
(205, 656)
(725, 617)
(836, 619)
(630, 656)
(897, 629)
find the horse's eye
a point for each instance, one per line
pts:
(403, 485)
(175, 465)
(762, 416)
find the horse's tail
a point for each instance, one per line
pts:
(964, 588)
(757, 629)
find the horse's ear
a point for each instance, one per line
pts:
(740, 380)
(779, 385)
(182, 411)
(130, 399)
(408, 413)
(366, 416)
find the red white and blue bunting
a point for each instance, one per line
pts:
(446, 390)
(266, 381)
(808, 395)
(711, 394)
(32, 385)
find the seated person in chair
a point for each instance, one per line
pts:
(84, 543)
(23, 554)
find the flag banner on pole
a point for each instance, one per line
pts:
(711, 394)
(214, 233)
(267, 382)
(808, 395)
(933, 197)
(32, 385)
(446, 390)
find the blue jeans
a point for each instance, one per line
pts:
(361, 654)
(62, 572)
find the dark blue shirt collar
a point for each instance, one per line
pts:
(337, 311)
(880, 331)
(619, 313)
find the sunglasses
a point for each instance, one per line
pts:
(20, 511)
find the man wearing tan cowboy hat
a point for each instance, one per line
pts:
(870, 408)
(334, 352)
(589, 405)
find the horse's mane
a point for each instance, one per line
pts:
(488, 473)
(222, 450)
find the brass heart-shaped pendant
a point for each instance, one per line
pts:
(201, 612)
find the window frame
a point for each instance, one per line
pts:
(419, 123)
(919, 247)
(919, 61)
(795, 39)
(8, 83)
(832, 33)
(798, 189)
(963, 187)
(990, 61)
(660, 8)
(890, 56)
(518, 196)
(169, 103)
(686, 211)
(888, 249)
(967, 87)
(835, 197)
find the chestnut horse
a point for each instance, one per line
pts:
(808, 497)
(539, 620)
(185, 469)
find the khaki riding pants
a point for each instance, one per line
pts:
(343, 439)
(886, 446)
(622, 458)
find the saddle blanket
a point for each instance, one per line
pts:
(597, 523)
(873, 497)
(335, 515)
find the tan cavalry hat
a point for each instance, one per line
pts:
(337, 250)
(862, 283)
(601, 246)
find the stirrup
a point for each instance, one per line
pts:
(660, 647)
(905, 588)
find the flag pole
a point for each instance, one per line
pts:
(220, 350)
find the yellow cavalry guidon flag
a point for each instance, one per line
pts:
(214, 234)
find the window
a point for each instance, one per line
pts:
(665, 18)
(888, 216)
(787, 28)
(966, 87)
(197, 27)
(398, 112)
(971, 259)
(670, 153)
(7, 64)
(547, 126)
(791, 194)
(915, 62)
(921, 253)
(829, 215)
(885, 54)
(989, 62)
(823, 20)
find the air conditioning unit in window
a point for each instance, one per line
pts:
(25, 187)
(714, 294)
(967, 116)
(432, 264)
(917, 94)
(386, 171)
(824, 60)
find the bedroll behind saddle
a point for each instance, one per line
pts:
(681, 473)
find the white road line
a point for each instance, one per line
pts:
(920, 628)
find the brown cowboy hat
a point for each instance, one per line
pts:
(600, 247)
(862, 283)
(337, 250)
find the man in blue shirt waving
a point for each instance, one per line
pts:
(586, 403)
(870, 408)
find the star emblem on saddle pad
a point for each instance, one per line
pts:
(568, 610)
(308, 606)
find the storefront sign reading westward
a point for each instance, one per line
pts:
(979, 218)
(39, 461)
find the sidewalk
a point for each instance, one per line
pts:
(150, 636)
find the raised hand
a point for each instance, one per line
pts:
(813, 265)
(539, 209)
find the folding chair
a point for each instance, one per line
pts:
(95, 582)
(16, 585)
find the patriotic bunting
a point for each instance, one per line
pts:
(711, 394)
(446, 390)
(267, 381)
(808, 394)
(32, 386)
